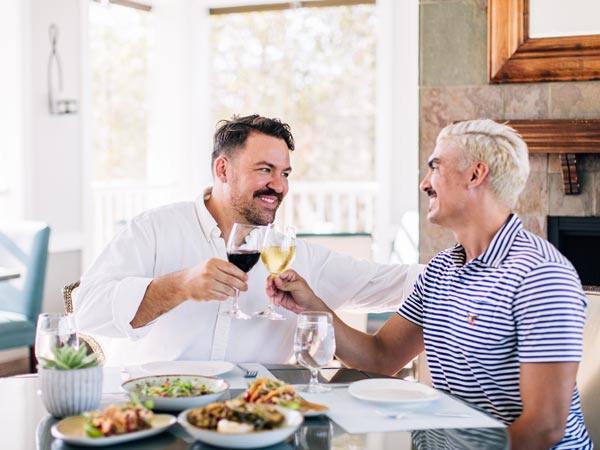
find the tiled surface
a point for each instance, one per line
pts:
(452, 52)
(576, 100)
(526, 101)
(560, 204)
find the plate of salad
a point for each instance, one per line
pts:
(276, 392)
(115, 424)
(176, 392)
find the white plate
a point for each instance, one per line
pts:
(309, 409)
(256, 439)
(217, 385)
(72, 431)
(205, 368)
(389, 390)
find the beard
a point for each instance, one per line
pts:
(251, 213)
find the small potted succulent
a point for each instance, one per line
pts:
(71, 381)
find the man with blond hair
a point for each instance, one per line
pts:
(500, 315)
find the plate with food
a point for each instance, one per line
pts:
(203, 368)
(391, 390)
(115, 424)
(276, 392)
(176, 392)
(239, 424)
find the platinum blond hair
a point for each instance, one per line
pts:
(500, 147)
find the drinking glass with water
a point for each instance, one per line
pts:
(54, 330)
(314, 345)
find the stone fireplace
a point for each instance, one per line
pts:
(578, 238)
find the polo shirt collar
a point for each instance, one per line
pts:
(499, 247)
(502, 242)
(208, 224)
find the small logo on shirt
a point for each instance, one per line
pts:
(471, 318)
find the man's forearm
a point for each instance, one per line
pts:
(532, 435)
(386, 352)
(162, 295)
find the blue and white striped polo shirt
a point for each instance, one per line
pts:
(521, 301)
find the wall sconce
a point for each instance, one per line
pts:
(56, 104)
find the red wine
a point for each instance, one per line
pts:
(245, 260)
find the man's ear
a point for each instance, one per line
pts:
(221, 169)
(478, 171)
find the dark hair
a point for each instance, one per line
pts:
(232, 134)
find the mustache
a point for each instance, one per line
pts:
(269, 192)
(430, 192)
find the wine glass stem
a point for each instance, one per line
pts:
(271, 305)
(314, 380)
(236, 307)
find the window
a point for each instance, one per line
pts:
(315, 69)
(119, 50)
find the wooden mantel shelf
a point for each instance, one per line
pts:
(566, 137)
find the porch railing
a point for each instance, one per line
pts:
(313, 207)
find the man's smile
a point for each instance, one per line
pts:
(269, 197)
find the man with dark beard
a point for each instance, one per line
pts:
(161, 287)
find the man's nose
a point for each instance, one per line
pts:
(425, 184)
(278, 183)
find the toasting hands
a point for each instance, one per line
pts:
(215, 279)
(292, 292)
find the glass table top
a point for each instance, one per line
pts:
(25, 424)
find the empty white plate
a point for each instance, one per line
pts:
(390, 390)
(206, 368)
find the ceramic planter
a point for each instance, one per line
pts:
(71, 392)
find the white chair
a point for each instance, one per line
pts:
(588, 376)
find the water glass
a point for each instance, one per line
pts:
(54, 330)
(314, 345)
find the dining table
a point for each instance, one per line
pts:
(348, 424)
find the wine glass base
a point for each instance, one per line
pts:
(314, 388)
(237, 315)
(271, 315)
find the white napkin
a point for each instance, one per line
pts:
(358, 416)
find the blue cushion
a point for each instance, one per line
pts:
(15, 331)
(23, 245)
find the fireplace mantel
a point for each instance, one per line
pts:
(566, 137)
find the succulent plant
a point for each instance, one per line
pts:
(68, 357)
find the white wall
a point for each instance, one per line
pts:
(53, 156)
(13, 22)
(397, 134)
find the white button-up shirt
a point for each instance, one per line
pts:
(177, 236)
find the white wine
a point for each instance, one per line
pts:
(277, 259)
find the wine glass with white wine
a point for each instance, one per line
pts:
(314, 345)
(277, 254)
(243, 250)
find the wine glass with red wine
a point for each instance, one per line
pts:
(243, 249)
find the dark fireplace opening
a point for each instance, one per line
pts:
(578, 238)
